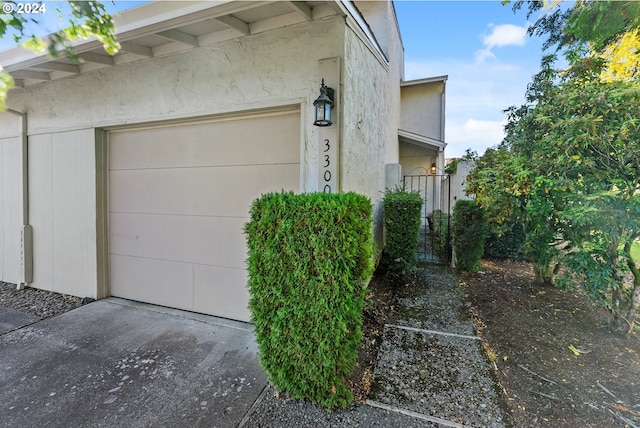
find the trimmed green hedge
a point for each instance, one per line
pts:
(310, 257)
(402, 229)
(469, 233)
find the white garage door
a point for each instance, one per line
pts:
(179, 198)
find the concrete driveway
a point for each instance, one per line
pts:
(117, 363)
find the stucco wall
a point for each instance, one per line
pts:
(274, 68)
(370, 139)
(422, 109)
(417, 160)
(459, 181)
(269, 69)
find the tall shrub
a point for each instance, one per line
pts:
(402, 229)
(469, 234)
(310, 256)
(440, 236)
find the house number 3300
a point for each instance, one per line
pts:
(326, 165)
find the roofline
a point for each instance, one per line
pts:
(131, 23)
(395, 18)
(421, 140)
(435, 79)
(158, 16)
(362, 23)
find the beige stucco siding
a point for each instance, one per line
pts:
(257, 73)
(423, 109)
(270, 69)
(417, 160)
(267, 69)
(369, 139)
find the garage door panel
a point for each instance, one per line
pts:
(214, 191)
(253, 140)
(221, 291)
(179, 197)
(215, 241)
(155, 281)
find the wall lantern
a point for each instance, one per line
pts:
(323, 105)
(433, 169)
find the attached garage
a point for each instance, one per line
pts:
(137, 170)
(179, 196)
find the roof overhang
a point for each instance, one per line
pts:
(436, 79)
(160, 28)
(421, 140)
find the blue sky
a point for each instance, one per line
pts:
(483, 47)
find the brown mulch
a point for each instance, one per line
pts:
(557, 360)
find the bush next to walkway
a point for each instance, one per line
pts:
(440, 237)
(310, 257)
(402, 230)
(469, 234)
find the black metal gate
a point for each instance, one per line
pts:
(434, 245)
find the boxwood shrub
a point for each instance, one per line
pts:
(469, 233)
(402, 230)
(309, 260)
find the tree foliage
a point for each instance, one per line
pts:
(83, 20)
(568, 171)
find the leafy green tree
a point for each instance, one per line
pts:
(85, 19)
(568, 170)
(592, 168)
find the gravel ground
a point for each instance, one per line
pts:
(421, 377)
(437, 375)
(273, 410)
(39, 303)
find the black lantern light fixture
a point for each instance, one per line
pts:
(323, 105)
(433, 169)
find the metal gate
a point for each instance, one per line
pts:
(434, 245)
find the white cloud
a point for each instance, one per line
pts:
(500, 36)
(483, 54)
(506, 35)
